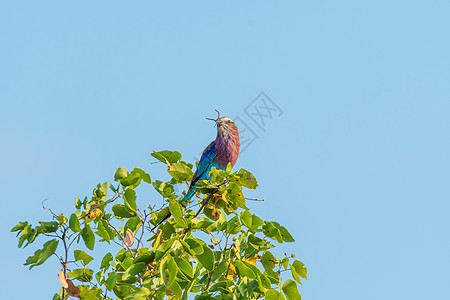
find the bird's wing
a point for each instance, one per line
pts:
(205, 161)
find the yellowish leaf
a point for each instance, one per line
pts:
(157, 234)
(231, 272)
(94, 213)
(129, 238)
(251, 260)
(62, 279)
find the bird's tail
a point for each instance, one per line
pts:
(189, 194)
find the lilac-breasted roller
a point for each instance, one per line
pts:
(223, 150)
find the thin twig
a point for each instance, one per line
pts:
(254, 199)
(76, 237)
(142, 232)
(42, 203)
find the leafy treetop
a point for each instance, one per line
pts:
(210, 248)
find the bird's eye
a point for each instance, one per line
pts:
(229, 121)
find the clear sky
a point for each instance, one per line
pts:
(354, 160)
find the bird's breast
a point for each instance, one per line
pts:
(227, 152)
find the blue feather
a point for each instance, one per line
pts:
(205, 165)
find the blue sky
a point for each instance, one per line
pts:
(355, 163)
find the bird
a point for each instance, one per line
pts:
(219, 153)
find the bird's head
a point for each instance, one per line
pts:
(225, 127)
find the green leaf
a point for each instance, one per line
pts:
(187, 248)
(133, 223)
(130, 199)
(78, 203)
(172, 269)
(234, 195)
(168, 229)
(40, 256)
(206, 258)
(251, 221)
(47, 227)
(102, 232)
(88, 237)
(167, 157)
(187, 289)
(146, 257)
(200, 222)
(82, 256)
(255, 241)
(247, 179)
(180, 171)
(19, 226)
(123, 290)
(100, 276)
(121, 211)
(74, 223)
(195, 245)
(83, 275)
(111, 281)
(232, 224)
(139, 294)
(287, 237)
(133, 179)
(285, 263)
(299, 268)
(114, 189)
(144, 176)
(271, 231)
(244, 270)
(253, 267)
(157, 241)
(164, 188)
(120, 173)
(176, 211)
(268, 260)
(176, 289)
(133, 270)
(219, 270)
(184, 266)
(290, 290)
(105, 261)
(101, 191)
(91, 293)
(273, 295)
(276, 231)
(273, 276)
(25, 234)
(264, 281)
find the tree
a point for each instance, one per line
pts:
(210, 248)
